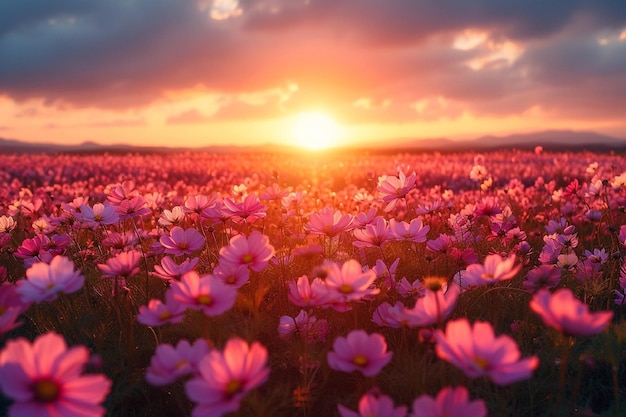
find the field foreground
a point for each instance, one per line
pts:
(320, 285)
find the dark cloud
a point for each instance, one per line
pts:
(122, 54)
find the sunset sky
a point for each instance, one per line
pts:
(195, 73)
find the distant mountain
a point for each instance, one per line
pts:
(549, 140)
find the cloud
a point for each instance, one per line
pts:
(116, 54)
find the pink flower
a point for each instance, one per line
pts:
(158, 313)
(11, 306)
(359, 352)
(374, 404)
(494, 269)
(182, 241)
(99, 215)
(124, 265)
(169, 269)
(224, 378)
(392, 189)
(253, 251)
(350, 283)
(477, 352)
(205, 293)
(303, 293)
(433, 308)
(410, 232)
(250, 209)
(328, 222)
(231, 274)
(567, 314)
(170, 363)
(450, 402)
(43, 282)
(542, 276)
(308, 327)
(374, 234)
(44, 379)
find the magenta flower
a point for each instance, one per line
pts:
(226, 377)
(253, 251)
(182, 241)
(308, 327)
(542, 276)
(375, 234)
(410, 232)
(359, 352)
(99, 215)
(478, 352)
(494, 269)
(392, 189)
(11, 306)
(433, 308)
(43, 282)
(328, 222)
(350, 282)
(374, 404)
(307, 294)
(169, 269)
(231, 274)
(249, 210)
(567, 314)
(450, 402)
(124, 265)
(158, 313)
(205, 293)
(44, 379)
(170, 363)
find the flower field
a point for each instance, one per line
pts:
(409, 284)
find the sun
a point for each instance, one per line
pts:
(315, 131)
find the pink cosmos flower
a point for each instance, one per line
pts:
(134, 207)
(170, 363)
(182, 241)
(44, 282)
(34, 250)
(158, 313)
(567, 314)
(169, 269)
(410, 232)
(231, 274)
(328, 222)
(350, 283)
(253, 251)
(374, 404)
(99, 215)
(433, 308)
(392, 189)
(450, 402)
(174, 217)
(44, 379)
(303, 293)
(478, 352)
(124, 265)
(308, 327)
(197, 203)
(542, 276)
(11, 306)
(374, 234)
(205, 293)
(359, 352)
(494, 269)
(224, 378)
(387, 315)
(249, 210)
(386, 274)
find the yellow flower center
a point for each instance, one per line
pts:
(345, 289)
(486, 276)
(2, 310)
(205, 300)
(46, 391)
(481, 362)
(165, 315)
(360, 360)
(247, 258)
(183, 245)
(233, 387)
